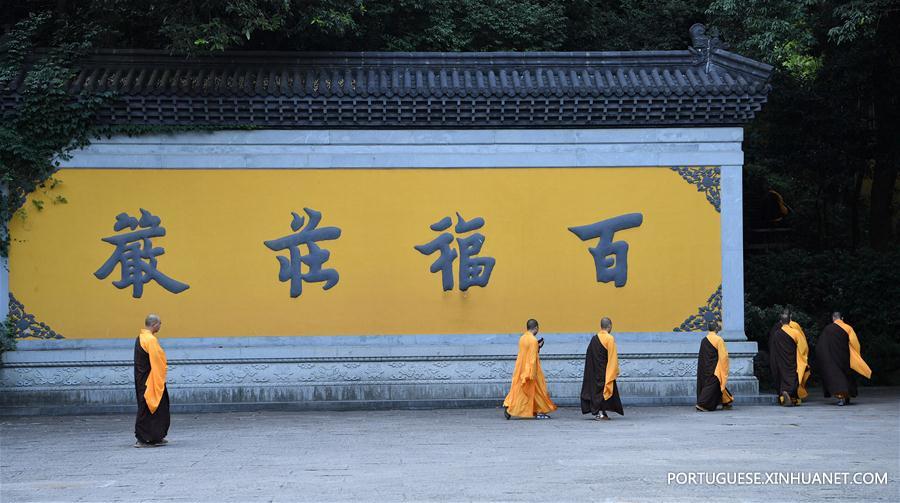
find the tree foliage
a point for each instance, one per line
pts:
(829, 124)
(49, 122)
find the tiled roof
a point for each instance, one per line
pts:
(416, 90)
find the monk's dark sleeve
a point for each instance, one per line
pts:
(594, 378)
(833, 362)
(708, 386)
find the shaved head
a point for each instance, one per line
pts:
(606, 324)
(785, 317)
(152, 321)
(531, 325)
(836, 316)
(712, 326)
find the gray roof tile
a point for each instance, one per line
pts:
(307, 90)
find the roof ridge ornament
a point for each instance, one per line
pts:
(703, 43)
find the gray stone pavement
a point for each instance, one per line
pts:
(455, 455)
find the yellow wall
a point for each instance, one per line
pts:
(217, 220)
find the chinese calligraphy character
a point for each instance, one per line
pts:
(610, 258)
(444, 262)
(473, 271)
(309, 236)
(136, 255)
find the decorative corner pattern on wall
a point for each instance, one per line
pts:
(706, 178)
(712, 311)
(26, 326)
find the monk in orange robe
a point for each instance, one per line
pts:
(789, 360)
(528, 395)
(152, 423)
(838, 356)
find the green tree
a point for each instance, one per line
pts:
(829, 123)
(48, 122)
(461, 25)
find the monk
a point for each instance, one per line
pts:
(837, 353)
(599, 392)
(528, 397)
(712, 372)
(788, 358)
(152, 423)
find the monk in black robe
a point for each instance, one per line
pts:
(599, 392)
(837, 357)
(712, 372)
(788, 358)
(152, 423)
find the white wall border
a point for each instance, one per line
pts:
(487, 148)
(732, 235)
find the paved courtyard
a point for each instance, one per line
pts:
(453, 455)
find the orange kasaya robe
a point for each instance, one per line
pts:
(856, 360)
(612, 363)
(721, 371)
(796, 333)
(528, 394)
(156, 380)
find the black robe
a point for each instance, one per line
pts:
(594, 380)
(148, 427)
(783, 361)
(833, 361)
(709, 389)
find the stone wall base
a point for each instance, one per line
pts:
(338, 373)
